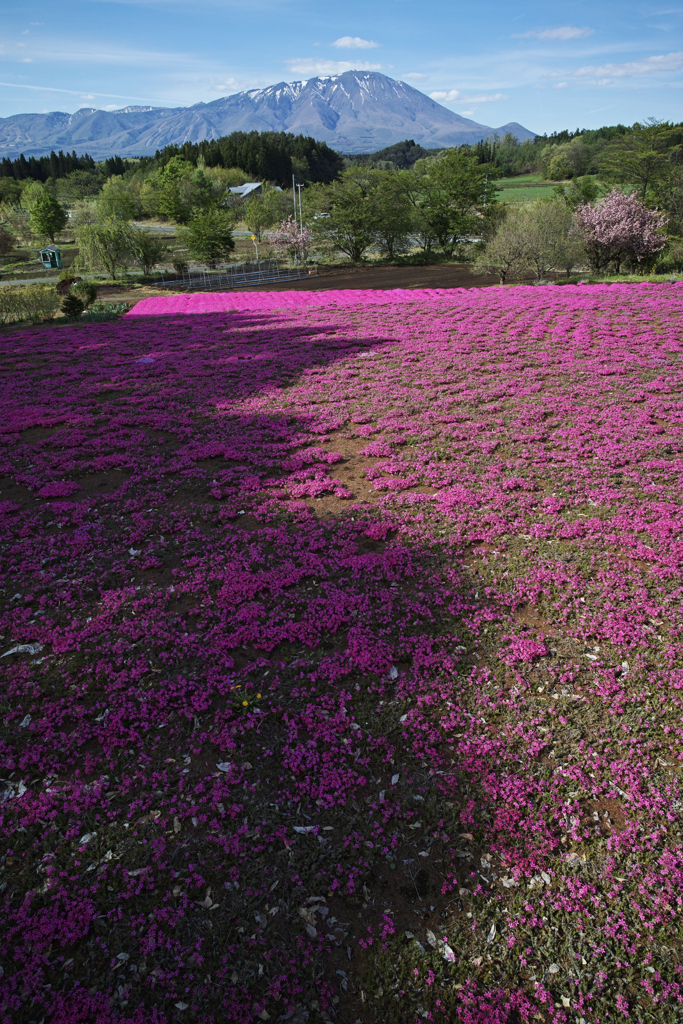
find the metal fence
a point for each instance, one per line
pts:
(238, 275)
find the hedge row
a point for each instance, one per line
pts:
(33, 302)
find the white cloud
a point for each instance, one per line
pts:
(224, 85)
(311, 68)
(563, 32)
(467, 113)
(415, 76)
(598, 81)
(354, 43)
(452, 95)
(484, 98)
(634, 68)
(228, 86)
(26, 60)
(560, 85)
(445, 97)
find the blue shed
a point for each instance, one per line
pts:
(51, 257)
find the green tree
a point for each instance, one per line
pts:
(15, 220)
(278, 203)
(258, 216)
(83, 212)
(34, 302)
(546, 226)
(506, 252)
(72, 305)
(172, 200)
(667, 192)
(201, 194)
(640, 157)
(148, 251)
(559, 167)
(7, 242)
(31, 192)
(568, 159)
(394, 213)
(10, 190)
(47, 217)
(149, 191)
(345, 212)
(233, 176)
(108, 246)
(451, 196)
(578, 192)
(208, 237)
(86, 292)
(533, 238)
(79, 184)
(117, 199)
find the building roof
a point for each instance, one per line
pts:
(246, 189)
(49, 248)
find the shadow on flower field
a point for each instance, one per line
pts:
(340, 661)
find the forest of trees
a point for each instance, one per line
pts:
(403, 199)
(56, 165)
(177, 181)
(557, 157)
(269, 156)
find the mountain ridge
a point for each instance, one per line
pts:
(355, 112)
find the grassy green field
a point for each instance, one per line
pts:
(524, 188)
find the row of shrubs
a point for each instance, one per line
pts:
(38, 302)
(32, 302)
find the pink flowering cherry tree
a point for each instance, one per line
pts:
(291, 241)
(620, 228)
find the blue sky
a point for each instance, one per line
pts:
(547, 66)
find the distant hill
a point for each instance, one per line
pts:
(356, 112)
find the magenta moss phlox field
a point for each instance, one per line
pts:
(323, 609)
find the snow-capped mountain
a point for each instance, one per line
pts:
(355, 112)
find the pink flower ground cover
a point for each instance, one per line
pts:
(342, 666)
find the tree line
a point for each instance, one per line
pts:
(560, 156)
(40, 168)
(627, 215)
(612, 219)
(260, 156)
(443, 204)
(263, 156)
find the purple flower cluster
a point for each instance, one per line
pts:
(291, 581)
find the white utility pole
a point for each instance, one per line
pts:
(301, 215)
(296, 261)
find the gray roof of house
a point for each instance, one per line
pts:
(244, 190)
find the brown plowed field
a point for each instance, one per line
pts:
(441, 275)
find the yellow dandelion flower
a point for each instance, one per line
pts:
(245, 703)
